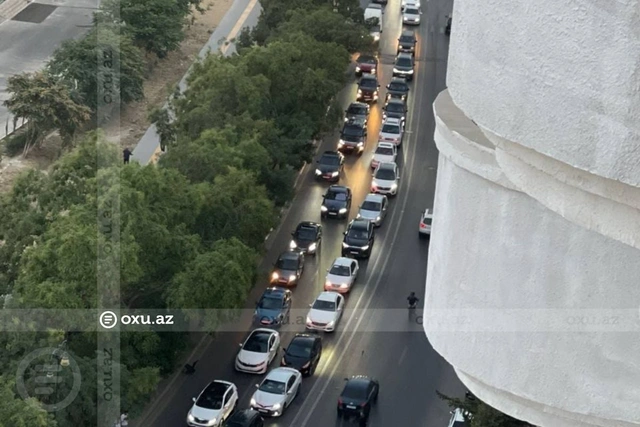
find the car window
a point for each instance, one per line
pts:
(330, 160)
(412, 11)
(340, 270)
(299, 349)
(337, 196)
(324, 305)
(386, 174)
(369, 83)
(291, 382)
(274, 387)
(385, 151)
(395, 107)
(389, 128)
(355, 392)
(352, 131)
(258, 343)
(287, 264)
(358, 234)
(427, 221)
(404, 61)
(371, 206)
(269, 303)
(397, 86)
(306, 233)
(210, 400)
(407, 39)
(357, 110)
(353, 266)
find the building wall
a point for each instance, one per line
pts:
(537, 210)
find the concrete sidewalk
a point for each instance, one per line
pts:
(243, 13)
(29, 34)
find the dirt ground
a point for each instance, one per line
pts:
(163, 77)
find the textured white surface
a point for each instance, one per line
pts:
(559, 76)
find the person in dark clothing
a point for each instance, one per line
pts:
(126, 153)
(413, 300)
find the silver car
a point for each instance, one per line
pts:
(425, 222)
(374, 208)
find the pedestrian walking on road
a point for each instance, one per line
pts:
(126, 154)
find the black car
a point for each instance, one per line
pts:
(353, 136)
(447, 29)
(329, 166)
(336, 202)
(398, 88)
(273, 307)
(303, 353)
(395, 108)
(407, 42)
(358, 239)
(306, 237)
(368, 88)
(287, 270)
(366, 64)
(358, 396)
(245, 418)
(403, 66)
(357, 110)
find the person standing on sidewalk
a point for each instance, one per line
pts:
(126, 154)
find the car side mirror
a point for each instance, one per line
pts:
(290, 391)
(310, 305)
(240, 345)
(257, 385)
(194, 399)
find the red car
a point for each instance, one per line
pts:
(366, 64)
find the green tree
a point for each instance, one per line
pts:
(17, 412)
(479, 414)
(155, 25)
(103, 68)
(46, 105)
(161, 117)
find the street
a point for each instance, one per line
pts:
(408, 369)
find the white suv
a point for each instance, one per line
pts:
(426, 221)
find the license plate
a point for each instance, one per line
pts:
(327, 176)
(355, 252)
(351, 407)
(264, 411)
(333, 213)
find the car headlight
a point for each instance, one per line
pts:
(306, 365)
(376, 37)
(328, 283)
(253, 402)
(212, 422)
(292, 245)
(191, 418)
(331, 324)
(344, 245)
(358, 216)
(334, 174)
(275, 276)
(395, 70)
(308, 320)
(377, 218)
(342, 210)
(365, 248)
(323, 208)
(292, 277)
(276, 406)
(359, 91)
(410, 72)
(312, 247)
(394, 186)
(373, 71)
(360, 144)
(318, 172)
(357, 69)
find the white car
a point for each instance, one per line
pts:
(374, 208)
(457, 419)
(426, 221)
(385, 152)
(341, 275)
(258, 351)
(411, 15)
(410, 3)
(276, 392)
(325, 312)
(214, 404)
(386, 179)
(391, 131)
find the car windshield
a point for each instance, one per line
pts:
(407, 40)
(324, 305)
(366, 60)
(385, 151)
(386, 174)
(354, 392)
(371, 206)
(258, 343)
(389, 128)
(210, 400)
(358, 234)
(340, 270)
(287, 264)
(330, 160)
(352, 131)
(270, 386)
(333, 195)
(299, 350)
(397, 86)
(412, 11)
(427, 221)
(306, 234)
(268, 303)
(357, 110)
(369, 83)
(394, 107)
(404, 62)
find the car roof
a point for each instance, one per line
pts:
(405, 55)
(411, 5)
(368, 76)
(290, 255)
(338, 188)
(275, 292)
(308, 224)
(392, 121)
(408, 33)
(358, 104)
(306, 338)
(358, 381)
(327, 296)
(386, 144)
(387, 165)
(428, 213)
(399, 80)
(342, 261)
(366, 56)
(359, 223)
(372, 197)
(263, 331)
(280, 374)
(395, 101)
(374, 6)
(355, 121)
(217, 388)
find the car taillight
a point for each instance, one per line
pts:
(423, 225)
(339, 401)
(363, 404)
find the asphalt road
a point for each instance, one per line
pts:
(402, 359)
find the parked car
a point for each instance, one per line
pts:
(303, 354)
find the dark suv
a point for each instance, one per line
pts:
(329, 166)
(398, 88)
(358, 239)
(407, 42)
(403, 66)
(336, 202)
(306, 237)
(353, 136)
(358, 396)
(366, 64)
(395, 108)
(368, 88)
(357, 110)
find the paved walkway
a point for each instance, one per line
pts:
(243, 13)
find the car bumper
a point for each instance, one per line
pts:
(284, 282)
(337, 288)
(251, 369)
(358, 413)
(424, 231)
(367, 97)
(267, 412)
(329, 178)
(325, 328)
(408, 76)
(345, 148)
(386, 192)
(330, 214)
(411, 21)
(356, 253)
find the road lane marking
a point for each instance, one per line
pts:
(239, 24)
(371, 292)
(403, 355)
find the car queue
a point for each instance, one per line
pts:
(217, 403)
